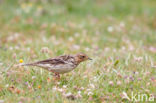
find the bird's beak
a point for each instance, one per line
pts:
(89, 59)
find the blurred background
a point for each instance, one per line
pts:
(76, 25)
(119, 35)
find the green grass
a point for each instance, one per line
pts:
(119, 35)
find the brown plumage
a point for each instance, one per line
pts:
(60, 64)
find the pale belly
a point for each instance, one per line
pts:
(62, 68)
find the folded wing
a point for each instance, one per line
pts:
(51, 61)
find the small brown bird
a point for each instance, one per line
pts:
(61, 64)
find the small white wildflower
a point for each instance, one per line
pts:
(1, 63)
(11, 48)
(10, 38)
(79, 95)
(87, 49)
(138, 59)
(95, 79)
(118, 82)
(68, 94)
(131, 47)
(77, 47)
(110, 29)
(92, 86)
(1, 101)
(107, 49)
(58, 83)
(84, 76)
(122, 24)
(44, 39)
(111, 83)
(64, 86)
(127, 81)
(71, 39)
(153, 66)
(17, 47)
(28, 49)
(7, 85)
(56, 43)
(82, 88)
(54, 88)
(136, 73)
(88, 89)
(60, 90)
(90, 93)
(123, 47)
(152, 49)
(33, 77)
(79, 92)
(114, 50)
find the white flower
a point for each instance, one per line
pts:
(54, 88)
(1, 63)
(110, 29)
(28, 49)
(7, 85)
(88, 89)
(87, 49)
(1, 101)
(90, 93)
(92, 86)
(79, 92)
(82, 88)
(11, 48)
(122, 24)
(58, 83)
(60, 90)
(118, 82)
(95, 79)
(71, 39)
(111, 83)
(107, 49)
(77, 47)
(131, 47)
(64, 86)
(68, 94)
(33, 77)
(138, 59)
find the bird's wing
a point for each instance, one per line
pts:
(55, 61)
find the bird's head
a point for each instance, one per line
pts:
(80, 57)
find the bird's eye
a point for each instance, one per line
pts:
(83, 56)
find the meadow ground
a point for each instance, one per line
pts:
(119, 35)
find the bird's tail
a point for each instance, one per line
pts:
(28, 64)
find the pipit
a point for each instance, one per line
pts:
(61, 64)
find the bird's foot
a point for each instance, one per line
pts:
(57, 76)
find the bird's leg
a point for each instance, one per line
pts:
(57, 76)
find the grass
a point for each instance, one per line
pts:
(118, 35)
